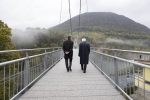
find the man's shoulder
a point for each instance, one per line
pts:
(70, 41)
(87, 43)
(84, 43)
(65, 41)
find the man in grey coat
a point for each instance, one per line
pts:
(84, 51)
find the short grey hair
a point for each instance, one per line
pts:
(83, 39)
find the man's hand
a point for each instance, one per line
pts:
(66, 52)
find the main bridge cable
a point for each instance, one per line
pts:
(70, 16)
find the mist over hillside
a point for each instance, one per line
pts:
(36, 38)
(102, 29)
(26, 37)
(102, 21)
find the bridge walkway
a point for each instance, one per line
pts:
(58, 84)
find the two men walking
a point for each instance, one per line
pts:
(84, 51)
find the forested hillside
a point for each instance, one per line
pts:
(108, 30)
(102, 21)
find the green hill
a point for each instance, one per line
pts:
(102, 21)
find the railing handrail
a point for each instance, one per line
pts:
(20, 50)
(24, 58)
(107, 75)
(27, 70)
(131, 51)
(121, 72)
(122, 59)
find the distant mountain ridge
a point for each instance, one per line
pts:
(102, 21)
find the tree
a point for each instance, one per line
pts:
(6, 44)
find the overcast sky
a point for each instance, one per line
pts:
(21, 14)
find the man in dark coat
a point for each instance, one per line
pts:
(84, 51)
(68, 52)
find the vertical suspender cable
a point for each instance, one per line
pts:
(60, 11)
(87, 13)
(87, 5)
(70, 16)
(79, 18)
(60, 18)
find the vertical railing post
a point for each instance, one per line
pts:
(52, 57)
(116, 70)
(59, 55)
(26, 69)
(115, 53)
(62, 53)
(101, 59)
(44, 60)
(4, 83)
(94, 57)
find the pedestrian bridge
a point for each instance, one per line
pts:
(58, 84)
(44, 76)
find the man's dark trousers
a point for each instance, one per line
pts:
(83, 67)
(70, 64)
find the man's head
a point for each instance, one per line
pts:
(69, 37)
(83, 39)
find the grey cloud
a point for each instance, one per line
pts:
(46, 13)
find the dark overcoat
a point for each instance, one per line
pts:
(84, 51)
(67, 47)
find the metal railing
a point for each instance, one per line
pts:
(127, 54)
(16, 76)
(129, 77)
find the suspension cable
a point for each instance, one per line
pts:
(87, 13)
(70, 16)
(87, 5)
(60, 11)
(79, 18)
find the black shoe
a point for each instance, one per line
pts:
(81, 68)
(70, 69)
(67, 70)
